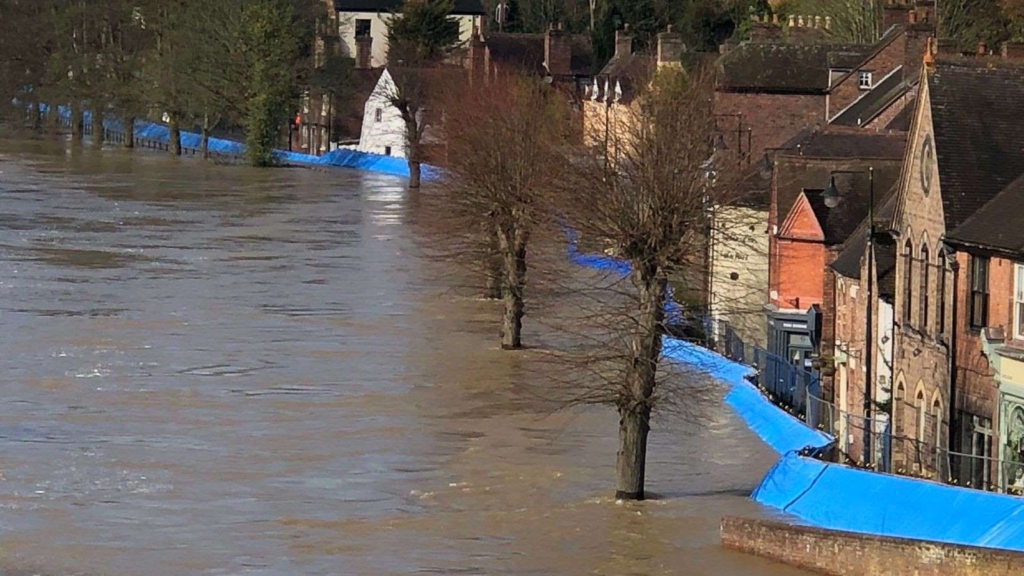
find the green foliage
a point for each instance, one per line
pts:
(269, 45)
(422, 32)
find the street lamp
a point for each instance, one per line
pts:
(832, 197)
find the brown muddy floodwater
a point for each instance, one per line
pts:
(215, 370)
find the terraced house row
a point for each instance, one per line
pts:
(894, 222)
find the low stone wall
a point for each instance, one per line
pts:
(838, 553)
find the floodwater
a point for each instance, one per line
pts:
(215, 370)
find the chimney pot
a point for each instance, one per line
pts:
(982, 48)
(828, 22)
(792, 20)
(817, 21)
(800, 22)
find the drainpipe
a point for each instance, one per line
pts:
(951, 347)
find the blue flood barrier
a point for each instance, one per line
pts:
(341, 158)
(843, 498)
(780, 430)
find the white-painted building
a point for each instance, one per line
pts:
(366, 22)
(383, 128)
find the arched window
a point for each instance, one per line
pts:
(937, 420)
(898, 418)
(908, 279)
(924, 286)
(919, 404)
(942, 294)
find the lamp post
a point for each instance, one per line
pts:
(832, 197)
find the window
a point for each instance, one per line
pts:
(1018, 301)
(942, 297)
(908, 279)
(387, 150)
(919, 403)
(362, 28)
(979, 292)
(378, 115)
(897, 411)
(937, 419)
(924, 286)
(864, 80)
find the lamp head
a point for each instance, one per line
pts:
(831, 195)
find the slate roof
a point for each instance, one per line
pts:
(875, 101)
(848, 262)
(813, 155)
(978, 117)
(462, 7)
(999, 225)
(840, 222)
(785, 68)
(527, 50)
(901, 121)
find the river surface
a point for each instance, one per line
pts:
(217, 370)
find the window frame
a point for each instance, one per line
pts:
(359, 23)
(925, 281)
(978, 292)
(863, 75)
(378, 115)
(908, 281)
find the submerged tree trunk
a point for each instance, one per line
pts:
(97, 125)
(635, 403)
(512, 244)
(204, 143)
(414, 174)
(492, 262)
(174, 136)
(77, 127)
(35, 115)
(128, 125)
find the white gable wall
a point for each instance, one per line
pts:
(376, 135)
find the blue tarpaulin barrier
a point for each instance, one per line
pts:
(844, 498)
(780, 430)
(341, 158)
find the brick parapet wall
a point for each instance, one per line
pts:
(837, 553)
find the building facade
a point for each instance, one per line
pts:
(363, 26)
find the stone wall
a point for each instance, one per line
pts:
(837, 553)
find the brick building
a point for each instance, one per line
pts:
(989, 324)
(805, 81)
(964, 148)
(806, 235)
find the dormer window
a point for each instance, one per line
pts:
(618, 91)
(595, 90)
(865, 80)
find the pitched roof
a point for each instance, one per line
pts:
(848, 262)
(999, 225)
(527, 51)
(814, 154)
(351, 106)
(872, 103)
(901, 121)
(790, 68)
(462, 7)
(976, 115)
(839, 223)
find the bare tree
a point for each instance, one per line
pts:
(645, 193)
(503, 144)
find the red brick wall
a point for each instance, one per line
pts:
(800, 272)
(848, 554)
(772, 119)
(976, 391)
(847, 91)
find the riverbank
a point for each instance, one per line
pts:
(155, 135)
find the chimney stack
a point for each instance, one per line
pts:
(623, 42)
(765, 30)
(896, 13)
(1013, 51)
(670, 48)
(364, 52)
(557, 51)
(477, 57)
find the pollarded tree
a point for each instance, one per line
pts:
(645, 192)
(504, 140)
(420, 38)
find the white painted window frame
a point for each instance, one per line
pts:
(1018, 301)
